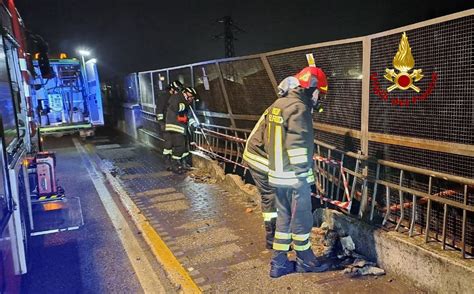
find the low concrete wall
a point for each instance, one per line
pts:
(424, 265)
(131, 120)
(150, 139)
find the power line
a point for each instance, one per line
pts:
(228, 35)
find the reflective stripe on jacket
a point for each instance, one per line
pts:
(290, 140)
(254, 152)
(176, 106)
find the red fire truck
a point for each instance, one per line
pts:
(30, 201)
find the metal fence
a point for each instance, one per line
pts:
(407, 156)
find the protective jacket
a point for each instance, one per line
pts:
(290, 136)
(177, 114)
(254, 153)
(161, 108)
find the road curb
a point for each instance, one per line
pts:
(171, 266)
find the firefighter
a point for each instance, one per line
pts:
(257, 161)
(176, 126)
(191, 96)
(289, 144)
(173, 88)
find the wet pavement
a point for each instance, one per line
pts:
(89, 260)
(211, 231)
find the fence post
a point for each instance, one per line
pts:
(192, 75)
(270, 74)
(364, 118)
(152, 91)
(226, 97)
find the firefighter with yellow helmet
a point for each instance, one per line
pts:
(176, 127)
(174, 88)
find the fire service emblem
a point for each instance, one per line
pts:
(402, 77)
(404, 62)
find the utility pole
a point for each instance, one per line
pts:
(229, 29)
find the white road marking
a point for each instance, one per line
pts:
(143, 269)
(107, 146)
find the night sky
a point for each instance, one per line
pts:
(134, 35)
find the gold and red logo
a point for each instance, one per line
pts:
(404, 62)
(402, 77)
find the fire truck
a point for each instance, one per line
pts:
(31, 203)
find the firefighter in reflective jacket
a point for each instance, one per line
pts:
(176, 126)
(257, 161)
(173, 88)
(162, 105)
(290, 146)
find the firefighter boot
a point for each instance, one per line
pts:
(280, 265)
(270, 232)
(307, 262)
(176, 167)
(168, 162)
(185, 165)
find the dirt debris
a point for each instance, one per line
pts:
(364, 271)
(202, 176)
(338, 250)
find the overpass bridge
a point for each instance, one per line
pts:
(394, 166)
(395, 155)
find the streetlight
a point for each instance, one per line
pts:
(84, 52)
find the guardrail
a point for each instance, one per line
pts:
(429, 134)
(386, 194)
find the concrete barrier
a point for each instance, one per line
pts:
(424, 265)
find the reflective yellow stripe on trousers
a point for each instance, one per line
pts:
(282, 236)
(267, 216)
(302, 247)
(300, 237)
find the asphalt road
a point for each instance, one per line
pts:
(89, 260)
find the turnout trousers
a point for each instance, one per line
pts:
(175, 145)
(167, 145)
(268, 194)
(295, 219)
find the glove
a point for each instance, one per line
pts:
(193, 123)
